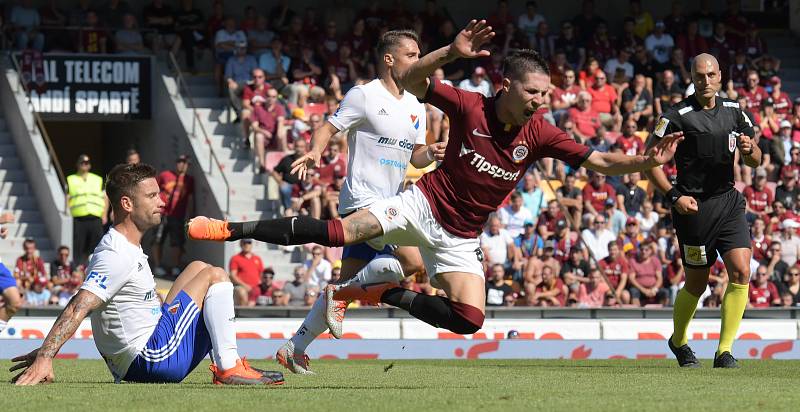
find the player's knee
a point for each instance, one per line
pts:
(468, 319)
(217, 275)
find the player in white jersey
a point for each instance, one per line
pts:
(385, 130)
(140, 339)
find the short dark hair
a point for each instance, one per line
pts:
(131, 152)
(392, 39)
(123, 178)
(62, 247)
(521, 61)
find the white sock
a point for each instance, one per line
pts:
(383, 268)
(313, 325)
(219, 317)
(3, 325)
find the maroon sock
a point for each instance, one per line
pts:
(335, 233)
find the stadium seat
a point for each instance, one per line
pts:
(771, 186)
(315, 108)
(644, 184)
(273, 158)
(580, 183)
(546, 189)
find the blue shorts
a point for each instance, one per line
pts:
(177, 345)
(6, 278)
(365, 252)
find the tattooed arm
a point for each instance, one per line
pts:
(38, 365)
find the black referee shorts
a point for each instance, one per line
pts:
(718, 227)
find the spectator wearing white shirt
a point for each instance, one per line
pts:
(318, 268)
(647, 218)
(597, 236)
(529, 22)
(496, 243)
(477, 83)
(659, 44)
(621, 61)
(515, 215)
(39, 295)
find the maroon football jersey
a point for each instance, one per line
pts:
(485, 159)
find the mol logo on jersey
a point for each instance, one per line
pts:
(495, 171)
(404, 144)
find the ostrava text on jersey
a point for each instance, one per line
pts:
(705, 157)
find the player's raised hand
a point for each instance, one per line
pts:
(305, 162)
(437, 151)
(664, 150)
(746, 144)
(35, 370)
(469, 41)
(686, 205)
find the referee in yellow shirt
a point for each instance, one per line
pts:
(88, 206)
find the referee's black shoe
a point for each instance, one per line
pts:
(725, 360)
(684, 354)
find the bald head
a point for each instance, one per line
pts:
(706, 77)
(705, 62)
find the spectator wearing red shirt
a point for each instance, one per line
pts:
(333, 164)
(630, 144)
(343, 71)
(177, 192)
(253, 95)
(759, 197)
(604, 101)
(738, 70)
(551, 291)
(268, 127)
(61, 269)
(617, 271)
(592, 294)
(753, 93)
(546, 226)
(245, 271)
(566, 96)
(29, 266)
(601, 46)
(781, 101)
(721, 45)
(759, 241)
(647, 283)
(586, 119)
(595, 193)
(763, 293)
(676, 276)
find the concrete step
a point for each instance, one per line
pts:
(10, 163)
(12, 175)
(8, 149)
(207, 102)
(29, 215)
(24, 229)
(203, 90)
(5, 137)
(14, 189)
(16, 202)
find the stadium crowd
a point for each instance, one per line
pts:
(565, 237)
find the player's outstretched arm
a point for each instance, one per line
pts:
(467, 44)
(685, 205)
(311, 159)
(38, 365)
(618, 163)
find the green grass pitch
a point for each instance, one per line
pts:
(452, 385)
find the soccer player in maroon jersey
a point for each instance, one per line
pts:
(493, 141)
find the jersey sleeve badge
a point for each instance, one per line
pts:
(661, 127)
(732, 141)
(520, 153)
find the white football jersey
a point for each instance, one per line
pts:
(119, 275)
(382, 133)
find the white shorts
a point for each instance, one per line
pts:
(407, 220)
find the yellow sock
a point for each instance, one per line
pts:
(682, 314)
(733, 304)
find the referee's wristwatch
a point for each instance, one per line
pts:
(673, 195)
